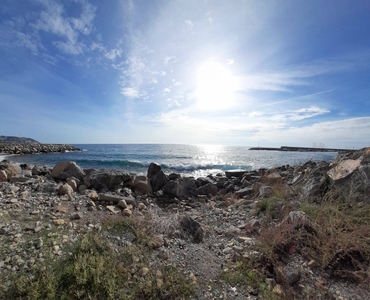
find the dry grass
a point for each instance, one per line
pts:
(93, 268)
(335, 234)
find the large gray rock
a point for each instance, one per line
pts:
(106, 179)
(182, 188)
(157, 179)
(47, 187)
(67, 169)
(207, 189)
(40, 170)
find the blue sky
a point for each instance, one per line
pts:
(192, 72)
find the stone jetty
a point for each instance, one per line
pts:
(20, 145)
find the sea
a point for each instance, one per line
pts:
(187, 160)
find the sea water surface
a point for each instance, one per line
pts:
(189, 160)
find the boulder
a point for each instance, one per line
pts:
(193, 228)
(157, 179)
(207, 189)
(47, 187)
(106, 179)
(11, 169)
(40, 170)
(183, 188)
(140, 184)
(67, 169)
(248, 191)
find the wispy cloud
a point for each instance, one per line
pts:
(52, 19)
(189, 24)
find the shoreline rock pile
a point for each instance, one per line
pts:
(217, 212)
(33, 148)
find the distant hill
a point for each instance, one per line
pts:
(16, 140)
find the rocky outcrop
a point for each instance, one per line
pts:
(350, 173)
(311, 181)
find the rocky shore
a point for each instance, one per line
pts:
(283, 233)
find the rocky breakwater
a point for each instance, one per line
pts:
(33, 148)
(239, 235)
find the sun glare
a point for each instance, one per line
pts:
(215, 87)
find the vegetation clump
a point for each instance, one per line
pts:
(94, 269)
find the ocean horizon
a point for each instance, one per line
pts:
(188, 160)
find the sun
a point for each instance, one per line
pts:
(215, 87)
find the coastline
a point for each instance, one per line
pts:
(223, 220)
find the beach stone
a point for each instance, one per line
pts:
(109, 197)
(40, 170)
(127, 212)
(106, 179)
(47, 187)
(244, 192)
(192, 227)
(141, 184)
(66, 189)
(67, 169)
(3, 175)
(93, 195)
(72, 183)
(122, 204)
(157, 179)
(156, 242)
(11, 169)
(82, 188)
(144, 271)
(274, 178)
(58, 222)
(76, 215)
(113, 209)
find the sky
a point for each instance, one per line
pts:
(241, 72)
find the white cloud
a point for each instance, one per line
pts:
(97, 46)
(113, 54)
(52, 19)
(189, 24)
(169, 59)
(70, 48)
(130, 92)
(167, 90)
